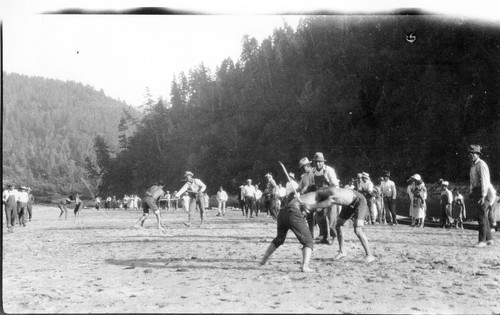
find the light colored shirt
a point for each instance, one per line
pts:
(258, 194)
(480, 178)
(291, 187)
(195, 186)
(7, 193)
(248, 191)
(389, 189)
(221, 196)
(272, 187)
(448, 199)
(22, 196)
(366, 187)
(328, 172)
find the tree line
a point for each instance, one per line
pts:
(352, 87)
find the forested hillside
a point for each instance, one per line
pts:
(352, 87)
(49, 127)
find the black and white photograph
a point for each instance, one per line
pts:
(318, 157)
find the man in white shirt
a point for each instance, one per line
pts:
(482, 194)
(221, 200)
(195, 189)
(366, 188)
(249, 197)
(258, 200)
(9, 200)
(389, 192)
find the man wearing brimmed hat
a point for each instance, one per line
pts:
(482, 194)
(271, 196)
(445, 202)
(151, 201)
(306, 178)
(195, 188)
(389, 193)
(249, 195)
(323, 176)
(9, 199)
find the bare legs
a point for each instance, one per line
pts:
(358, 230)
(306, 257)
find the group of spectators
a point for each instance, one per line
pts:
(17, 205)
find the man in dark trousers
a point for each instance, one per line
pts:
(482, 194)
(9, 199)
(151, 199)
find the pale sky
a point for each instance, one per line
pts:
(124, 54)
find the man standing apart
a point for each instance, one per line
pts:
(9, 198)
(249, 195)
(482, 193)
(271, 193)
(389, 192)
(445, 201)
(151, 199)
(221, 200)
(195, 188)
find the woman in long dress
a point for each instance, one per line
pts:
(418, 195)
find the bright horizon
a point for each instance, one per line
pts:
(125, 54)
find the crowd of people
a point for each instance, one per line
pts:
(315, 200)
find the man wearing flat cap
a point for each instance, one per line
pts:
(482, 194)
(195, 189)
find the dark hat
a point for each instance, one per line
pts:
(386, 174)
(318, 157)
(160, 183)
(474, 148)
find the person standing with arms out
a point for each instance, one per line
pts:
(389, 193)
(249, 195)
(445, 202)
(151, 200)
(458, 208)
(221, 201)
(31, 201)
(9, 199)
(195, 188)
(482, 194)
(271, 193)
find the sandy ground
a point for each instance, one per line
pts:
(100, 264)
